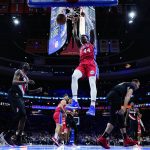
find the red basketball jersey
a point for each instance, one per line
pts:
(87, 52)
(58, 108)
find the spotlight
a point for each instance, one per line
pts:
(132, 14)
(16, 21)
(130, 21)
(127, 66)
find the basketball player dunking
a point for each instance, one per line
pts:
(86, 68)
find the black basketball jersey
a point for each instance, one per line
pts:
(20, 89)
(122, 88)
(133, 113)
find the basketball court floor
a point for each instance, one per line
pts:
(51, 147)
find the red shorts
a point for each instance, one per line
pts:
(58, 117)
(88, 68)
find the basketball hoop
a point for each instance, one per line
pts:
(72, 1)
(73, 14)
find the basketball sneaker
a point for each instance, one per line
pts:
(73, 105)
(55, 141)
(129, 142)
(103, 142)
(91, 111)
(5, 140)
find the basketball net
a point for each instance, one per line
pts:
(73, 14)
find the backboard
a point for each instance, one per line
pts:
(64, 3)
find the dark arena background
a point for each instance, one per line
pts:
(28, 34)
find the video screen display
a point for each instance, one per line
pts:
(58, 33)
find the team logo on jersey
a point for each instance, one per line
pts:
(92, 72)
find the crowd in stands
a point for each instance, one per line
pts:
(44, 138)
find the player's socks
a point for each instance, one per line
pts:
(124, 135)
(105, 135)
(93, 103)
(75, 98)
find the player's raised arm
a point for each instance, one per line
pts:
(77, 39)
(38, 90)
(92, 36)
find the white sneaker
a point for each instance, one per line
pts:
(55, 141)
(2, 139)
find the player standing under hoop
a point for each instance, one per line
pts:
(87, 68)
(59, 113)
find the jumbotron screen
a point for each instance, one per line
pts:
(58, 33)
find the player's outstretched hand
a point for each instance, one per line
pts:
(39, 90)
(31, 82)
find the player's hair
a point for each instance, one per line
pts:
(85, 35)
(67, 100)
(25, 66)
(135, 80)
(65, 95)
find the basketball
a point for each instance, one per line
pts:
(82, 14)
(61, 19)
(72, 1)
